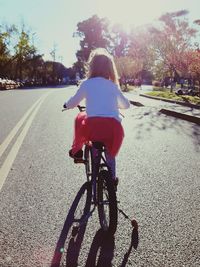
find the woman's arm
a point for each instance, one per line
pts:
(76, 99)
(123, 102)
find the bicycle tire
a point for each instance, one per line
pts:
(107, 203)
(88, 162)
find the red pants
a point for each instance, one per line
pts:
(106, 130)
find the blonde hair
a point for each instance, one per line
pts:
(101, 64)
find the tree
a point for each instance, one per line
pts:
(193, 58)
(172, 40)
(5, 54)
(34, 68)
(127, 68)
(93, 33)
(141, 51)
(23, 52)
(119, 41)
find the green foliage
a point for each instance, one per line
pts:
(128, 67)
(93, 33)
(19, 58)
(24, 52)
(4, 50)
(163, 56)
(147, 52)
(118, 41)
(128, 88)
(167, 94)
(171, 41)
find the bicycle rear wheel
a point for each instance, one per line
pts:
(88, 161)
(107, 203)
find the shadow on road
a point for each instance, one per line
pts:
(70, 241)
(147, 118)
(102, 250)
(71, 235)
(134, 244)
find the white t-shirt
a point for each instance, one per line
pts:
(103, 98)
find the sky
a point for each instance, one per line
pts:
(53, 22)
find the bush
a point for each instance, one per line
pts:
(156, 83)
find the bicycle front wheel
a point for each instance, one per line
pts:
(107, 203)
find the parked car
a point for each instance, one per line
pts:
(6, 84)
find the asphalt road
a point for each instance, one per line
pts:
(158, 167)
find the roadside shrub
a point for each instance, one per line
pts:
(156, 83)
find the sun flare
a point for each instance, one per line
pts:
(129, 12)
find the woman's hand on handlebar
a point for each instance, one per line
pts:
(81, 108)
(64, 107)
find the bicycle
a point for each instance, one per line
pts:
(101, 191)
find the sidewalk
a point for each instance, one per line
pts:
(181, 110)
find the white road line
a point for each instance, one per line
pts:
(14, 131)
(13, 152)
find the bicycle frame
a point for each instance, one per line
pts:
(98, 163)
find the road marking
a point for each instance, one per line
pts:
(14, 131)
(13, 152)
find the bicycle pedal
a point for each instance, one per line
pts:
(79, 161)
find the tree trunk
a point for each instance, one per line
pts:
(199, 87)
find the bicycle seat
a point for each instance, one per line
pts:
(98, 145)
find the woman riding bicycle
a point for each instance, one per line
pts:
(101, 122)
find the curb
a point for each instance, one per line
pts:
(181, 116)
(172, 113)
(138, 104)
(172, 101)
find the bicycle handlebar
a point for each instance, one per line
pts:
(81, 108)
